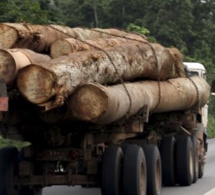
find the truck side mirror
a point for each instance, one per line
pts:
(213, 86)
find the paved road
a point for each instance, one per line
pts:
(201, 187)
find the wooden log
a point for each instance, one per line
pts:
(62, 75)
(40, 37)
(104, 105)
(11, 60)
(22, 35)
(70, 45)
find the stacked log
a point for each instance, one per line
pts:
(102, 74)
(40, 37)
(62, 75)
(69, 45)
(103, 105)
(22, 35)
(11, 60)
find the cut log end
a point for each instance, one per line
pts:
(59, 48)
(7, 67)
(88, 102)
(36, 83)
(8, 36)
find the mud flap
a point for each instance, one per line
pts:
(3, 96)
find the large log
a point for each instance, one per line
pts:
(104, 105)
(22, 35)
(11, 60)
(69, 45)
(40, 37)
(62, 75)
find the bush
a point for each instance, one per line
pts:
(211, 126)
(8, 142)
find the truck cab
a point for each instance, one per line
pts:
(195, 68)
(198, 69)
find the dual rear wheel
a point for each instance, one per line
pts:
(131, 171)
(180, 162)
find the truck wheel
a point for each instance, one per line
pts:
(153, 163)
(167, 151)
(111, 171)
(8, 158)
(134, 171)
(184, 160)
(195, 159)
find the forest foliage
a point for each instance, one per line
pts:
(188, 25)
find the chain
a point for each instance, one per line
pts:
(110, 59)
(197, 93)
(158, 78)
(153, 51)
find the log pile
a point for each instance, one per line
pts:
(40, 37)
(62, 75)
(102, 74)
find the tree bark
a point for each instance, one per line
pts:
(62, 75)
(104, 105)
(69, 45)
(14, 59)
(40, 37)
(35, 37)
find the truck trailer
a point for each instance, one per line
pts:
(128, 119)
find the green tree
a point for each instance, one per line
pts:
(86, 13)
(53, 11)
(22, 10)
(124, 12)
(202, 46)
(170, 21)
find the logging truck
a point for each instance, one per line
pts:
(129, 119)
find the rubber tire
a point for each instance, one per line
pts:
(167, 152)
(195, 159)
(183, 161)
(8, 158)
(154, 172)
(134, 171)
(111, 171)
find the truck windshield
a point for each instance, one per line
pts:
(192, 73)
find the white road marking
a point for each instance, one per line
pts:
(211, 192)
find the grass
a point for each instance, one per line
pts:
(211, 126)
(8, 142)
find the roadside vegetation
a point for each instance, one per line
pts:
(211, 127)
(8, 142)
